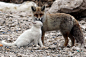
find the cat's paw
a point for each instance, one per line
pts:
(43, 47)
(36, 46)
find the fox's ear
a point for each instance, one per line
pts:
(33, 8)
(43, 8)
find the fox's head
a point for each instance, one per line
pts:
(38, 13)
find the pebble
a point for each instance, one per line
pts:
(1, 45)
(35, 48)
(52, 46)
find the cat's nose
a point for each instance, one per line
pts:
(33, 22)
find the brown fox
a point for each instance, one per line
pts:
(66, 23)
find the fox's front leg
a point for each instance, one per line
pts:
(66, 41)
(65, 35)
(43, 34)
(72, 40)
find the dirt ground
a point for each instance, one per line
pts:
(12, 24)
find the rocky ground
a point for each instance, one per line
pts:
(12, 24)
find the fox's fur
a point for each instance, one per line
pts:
(31, 34)
(66, 23)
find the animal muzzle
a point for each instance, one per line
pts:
(39, 19)
(33, 22)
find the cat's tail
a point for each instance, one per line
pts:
(8, 44)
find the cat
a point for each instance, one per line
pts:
(34, 33)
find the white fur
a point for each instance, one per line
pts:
(26, 6)
(31, 34)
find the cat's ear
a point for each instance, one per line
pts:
(33, 8)
(42, 8)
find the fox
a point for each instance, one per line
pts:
(32, 34)
(66, 23)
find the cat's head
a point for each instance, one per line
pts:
(37, 23)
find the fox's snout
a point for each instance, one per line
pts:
(38, 19)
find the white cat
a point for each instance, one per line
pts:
(31, 34)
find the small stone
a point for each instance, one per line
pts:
(7, 49)
(1, 45)
(55, 43)
(43, 48)
(53, 37)
(68, 46)
(3, 32)
(35, 48)
(31, 51)
(52, 47)
(77, 50)
(58, 55)
(19, 56)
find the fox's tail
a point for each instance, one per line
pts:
(77, 33)
(8, 44)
